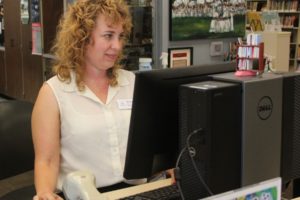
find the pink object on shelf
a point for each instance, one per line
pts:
(245, 73)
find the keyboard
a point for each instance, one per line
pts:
(165, 193)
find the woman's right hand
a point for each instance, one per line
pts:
(47, 196)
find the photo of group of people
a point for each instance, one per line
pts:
(207, 19)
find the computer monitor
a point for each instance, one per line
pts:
(153, 133)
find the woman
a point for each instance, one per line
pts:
(78, 121)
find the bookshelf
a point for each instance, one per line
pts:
(256, 5)
(250, 59)
(289, 14)
(140, 43)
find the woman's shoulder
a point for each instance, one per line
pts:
(125, 77)
(53, 78)
(56, 82)
(126, 73)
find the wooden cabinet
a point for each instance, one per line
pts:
(12, 37)
(31, 66)
(277, 49)
(23, 71)
(2, 72)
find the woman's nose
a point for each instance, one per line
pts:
(117, 44)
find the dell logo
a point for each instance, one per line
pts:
(264, 108)
(192, 151)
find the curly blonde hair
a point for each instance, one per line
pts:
(74, 32)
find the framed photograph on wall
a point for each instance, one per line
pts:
(206, 19)
(180, 57)
(216, 48)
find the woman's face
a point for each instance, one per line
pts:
(105, 45)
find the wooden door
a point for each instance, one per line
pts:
(13, 61)
(31, 64)
(2, 73)
(52, 11)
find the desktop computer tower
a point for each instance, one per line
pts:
(290, 157)
(261, 125)
(210, 116)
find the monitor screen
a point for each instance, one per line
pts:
(153, 132)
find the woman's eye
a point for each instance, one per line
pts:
(108, 36)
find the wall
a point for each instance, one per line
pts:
(201, 47)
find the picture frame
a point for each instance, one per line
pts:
(192, 20)
(216, 48)
(180, 57)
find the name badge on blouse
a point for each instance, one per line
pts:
(124, 104)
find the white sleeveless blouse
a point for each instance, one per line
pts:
(94, 134)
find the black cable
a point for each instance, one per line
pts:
(177, 173)
(179, 157)
(177, 169)
(194, 163)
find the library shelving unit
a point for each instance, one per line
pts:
(140, 43)
(256, 5)
(250, 60)
(289, 14)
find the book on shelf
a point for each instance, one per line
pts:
(252, 6)
(256, 5)
(254, 20)
(291, 5)
(288, 20)
(244, 64)
(248, 52)
(253, 39)
(271, 21)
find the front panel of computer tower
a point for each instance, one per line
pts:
(290, 157)
(210, 116)
(261, 125)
